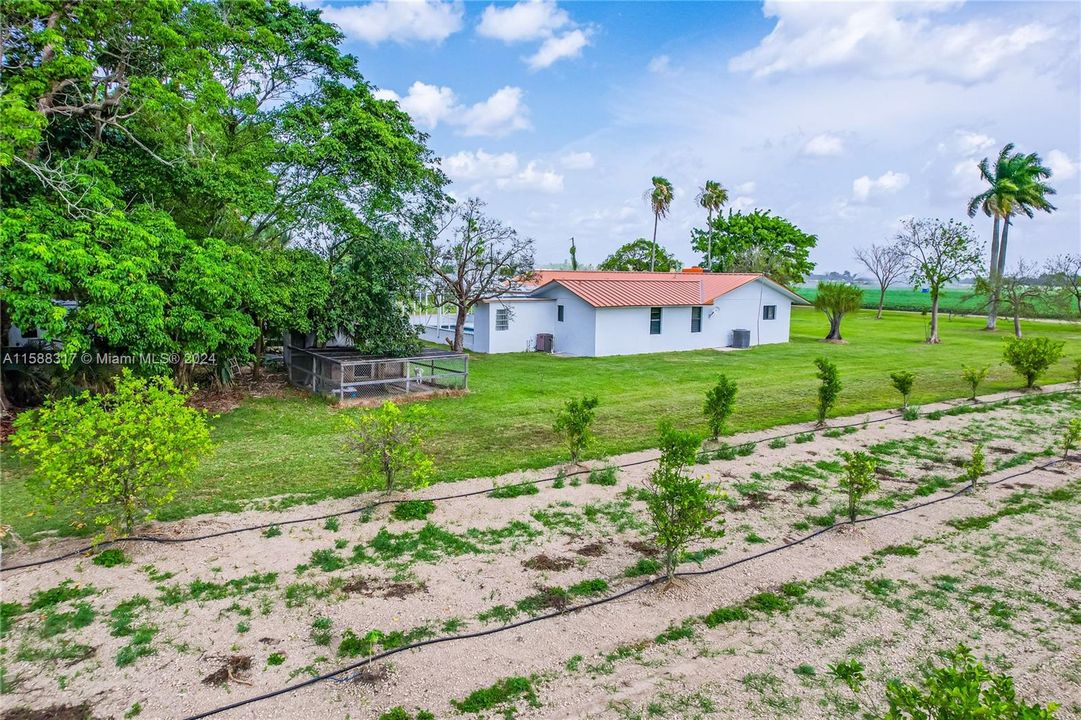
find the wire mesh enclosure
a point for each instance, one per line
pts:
(345, 374)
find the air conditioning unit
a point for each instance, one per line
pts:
(544, 342)
(741, 338)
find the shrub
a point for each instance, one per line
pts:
(829, 388)
(1071, 436)
(575, 423)
(413, 510)
(976, 466)
(911, 413)
(961, 688)
(603, 476)
(110, 558)
(387, 441)
(974, 376)
(117, 457)
(902, 382)
(681, 508)
(1031, 357)
(857, 479)
(720, 399)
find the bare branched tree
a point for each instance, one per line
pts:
(472, 258)
(1064, 274)
(1018, 291)
(938, 253)
(887, 263)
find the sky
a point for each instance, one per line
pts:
(842, 117)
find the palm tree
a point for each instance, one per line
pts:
(712, 197)
(1016, 186)
(660, 200)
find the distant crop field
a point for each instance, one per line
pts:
(955, 300)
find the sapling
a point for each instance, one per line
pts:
(974, 376)
(388, 441)
(681, 508)
(1031, 357)
(902, 381)
(858, 479)
(720, 399)
(574, 422)
(829, 389)
(1071, 437)
(976, 467)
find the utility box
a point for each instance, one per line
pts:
(741, 338)
(544, 342)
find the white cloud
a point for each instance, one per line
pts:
(480, 165)
(381, 20)
(577, 161)
(660, 64)
(1063, 167)
(824, 145)
(973, 143)
(567, 45)
(742, 203)
(745, 188)
(427, 104)
(886, 39)
(532, 178)
(527, 20)
(863, 188)
(502, 113)
(966, 179)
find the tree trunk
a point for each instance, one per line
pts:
(835, 328)
(459, 328)
(992, 302)
(1002, 248)
(653, 247)
(1016, 323)
(881, 302)
(709, 241)
(933, 338)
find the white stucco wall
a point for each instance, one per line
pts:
(742, 308)
(576, 335)
(527, 317)
(431, 330)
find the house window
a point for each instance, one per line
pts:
(559, 313)
(502, 318)
(655, 321)
(696, 319)
(769, 312)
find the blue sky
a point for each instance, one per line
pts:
(842, 117)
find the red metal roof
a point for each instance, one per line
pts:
(635, 289)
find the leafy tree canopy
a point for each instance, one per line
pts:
(757, 242)
(636, 255)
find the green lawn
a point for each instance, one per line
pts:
(274, 447)
(951, 300)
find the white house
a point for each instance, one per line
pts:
(593, 313)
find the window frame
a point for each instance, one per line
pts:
(658, 321)
(696, 318)
(506, 319)
(559, 313)
(769, 312)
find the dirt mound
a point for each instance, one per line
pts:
(595, 549)
(799, 486)
(53, 712)
(644, 547)
(371, 588)
(543, 562)
(234, 668)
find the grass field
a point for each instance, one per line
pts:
(292, 449)
(952, 300)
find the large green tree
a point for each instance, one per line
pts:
(756, 242)
(163, 163)
(641, 255)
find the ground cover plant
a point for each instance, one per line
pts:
(300, 447)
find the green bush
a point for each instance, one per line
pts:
(974, 376)
(902, 382)
(1031, 357)
(1071, 436)
(828, 389)
(720, 399)
(976, 467)
(117, 457)
(110, 558)
(413, 510)
(387, 441)
(574, 422)
(858, 479)
(603, 476)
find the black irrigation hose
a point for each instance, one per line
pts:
(371, 506)
(333, 675)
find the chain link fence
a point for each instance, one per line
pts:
(345, 374)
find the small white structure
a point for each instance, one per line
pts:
(594, 314)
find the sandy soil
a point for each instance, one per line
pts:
(585, 532)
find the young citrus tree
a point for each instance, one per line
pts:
(976, 467)
(115, 457)
(681, 508)
(720, 399)
(1071, 437)
(902, 382)
(1031, 357)
(974, 376)
(829, 388)
(858, 479)
(387, 441)
(575, 423)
